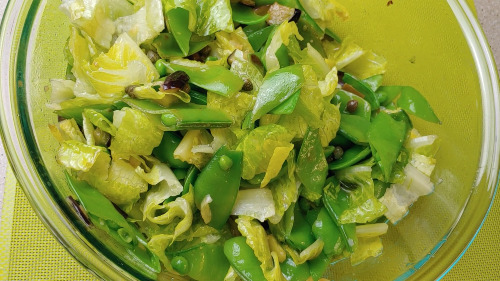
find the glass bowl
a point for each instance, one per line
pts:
(440, 51)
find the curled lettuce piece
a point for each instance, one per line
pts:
(246, 70)
(309, 56)
(363, 205)
(280, 154)
(255, 203)
(399, 197)
(322, 11)
(285, 190)
(258, 147)
(329, 84)
(123, 65)
(118, 181)
(145, 24)
(61, 90)
(79, 156)
(227, 42)
(205, 16)
(88, 130)
(310, 253)
(165, 186)
(256, 238)
(371, 230)
(342, 54)
(368, 65)
(96, 18)
(67, 130)
(312, 110)
(281, 37)
(137, 134)
(236, 106)
(192, 139)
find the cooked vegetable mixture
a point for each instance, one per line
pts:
(234, 140)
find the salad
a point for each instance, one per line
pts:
(234, 140)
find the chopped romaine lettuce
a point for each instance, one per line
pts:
(255, 203)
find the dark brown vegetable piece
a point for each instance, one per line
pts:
(296, 16)
(352, 105)
(78, 210)
(247, 86)
(175, 82)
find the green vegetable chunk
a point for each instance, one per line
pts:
(220, 184)
(277, 87)
(242, 259)
(178, 21)
(312, 167)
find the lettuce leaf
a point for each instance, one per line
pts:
(123, 65)
(342, 54)
(279, 156)
(285, 190)
(236, 106)
(227, 42)
(281, 37)
(363, 205)
(96, 18)
(310, 253)
(255, 203)
(184, 150)
(136, 134)
(322, 11)
(246, 70)
(258, 147)
(100, 121)
(79, 156)
(368, 65)
(67, 130)
(118, 181)
(145, 24)
(256, 238)
(61, 90)
(205, 16)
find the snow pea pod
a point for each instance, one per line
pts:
(343, 97)
(282, 55)
(374, 82)
(204, 263)
(259, 37)
(165, 151)
(301, 235)
(215, 78)
(324, 228)
(76, 112)
(350, 157)
(100, 121)
(178, 22)
(311, 33)
(198, 98)
(336, 201)
(312, 167)
(386, 137)
(294, 272)
(242, 259)
(277, 87)
(194, 118)
(221, 184)
(287, 106)
(363, 88)
(104, 215)
(413, 102)
(167, 46)
(191, 176)
(318, 266)
(246, 15)
(355, 128)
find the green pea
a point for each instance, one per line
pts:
(169, 119)
(180, 264)
(225, 162)
(161, 67)
(124, 235)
